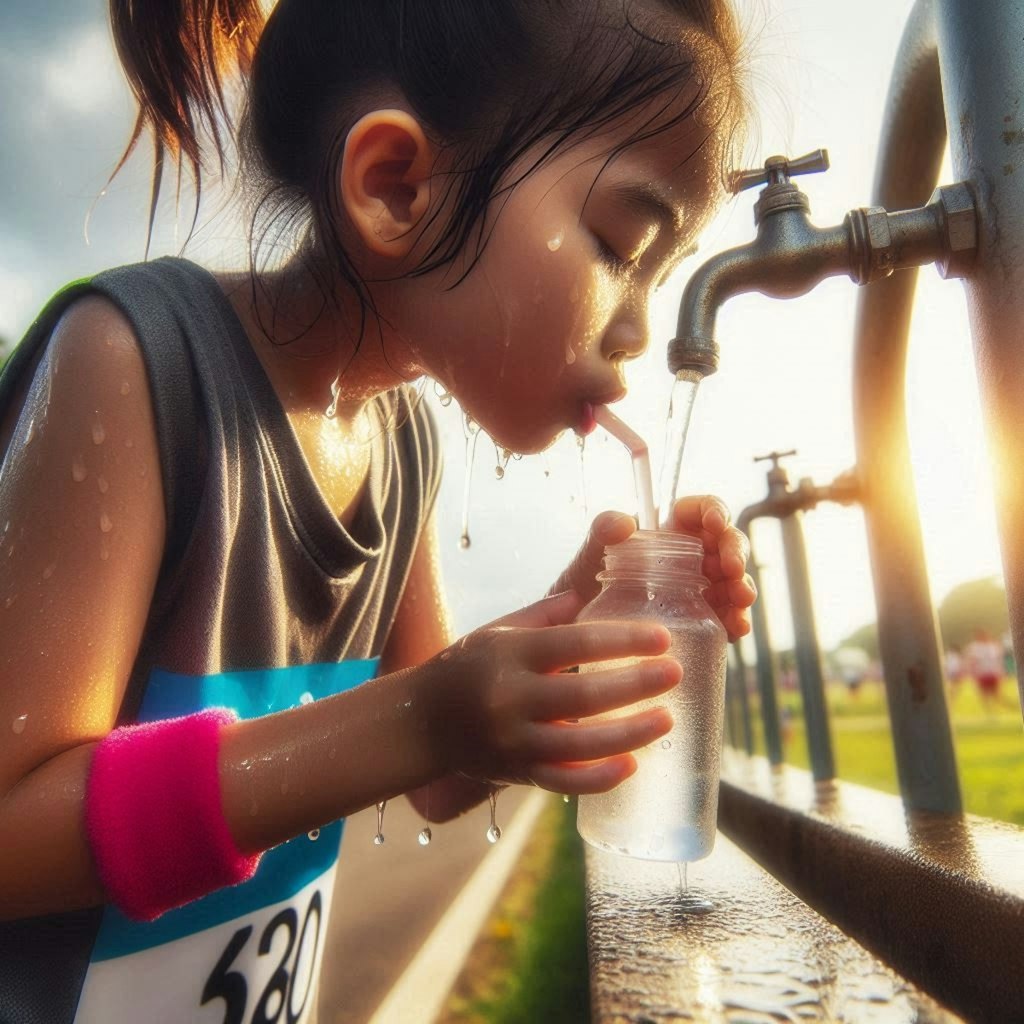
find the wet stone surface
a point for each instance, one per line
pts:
(758, 956)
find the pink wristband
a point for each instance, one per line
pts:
(153, 815)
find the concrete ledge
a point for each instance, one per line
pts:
(940, 898)
(762, 955)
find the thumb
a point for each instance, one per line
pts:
(608, 528)
(557, 610)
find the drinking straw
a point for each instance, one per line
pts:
(637, 448)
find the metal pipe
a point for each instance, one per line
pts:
(806, 650)
(767, 686)
(981, 56)
(910, 157)
(744, 698)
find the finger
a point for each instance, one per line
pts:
(733, 552)
(583, 778)
(561, 647)
(702, 512)
(736, 622)
(556, 610)
(741, 593)
(596, 739)
(608, 528)
(594, 693)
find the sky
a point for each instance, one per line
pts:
(820, 74)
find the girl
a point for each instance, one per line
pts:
(221, 616)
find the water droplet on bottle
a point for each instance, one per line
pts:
(101, 483)
(306, 698)
(424, 837)
(48, 571)
(464, 542)
(78, 470)
(651, 595)
(493, 834)
(313, 834)
(18, 725)
(554, 244)
(666, 744)
(125, 388)
(106, 523)
(99, 435)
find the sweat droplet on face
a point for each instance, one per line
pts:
(554, 244)
(99, 435)
(424, 837)
(106, 523)
(18, 725)
(125, 388)
(101, 483)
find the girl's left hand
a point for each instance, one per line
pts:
(726, 551)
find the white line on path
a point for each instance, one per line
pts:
(420, 992)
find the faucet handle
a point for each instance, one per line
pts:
(779, 169)
(774, 457)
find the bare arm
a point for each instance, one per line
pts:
(78, 566)
(422, 628)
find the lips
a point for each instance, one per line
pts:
(587, 421)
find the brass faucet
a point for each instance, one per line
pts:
(789, 255)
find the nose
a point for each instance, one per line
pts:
(625, 339)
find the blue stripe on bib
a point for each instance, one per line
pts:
(283, 870)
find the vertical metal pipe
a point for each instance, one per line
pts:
(732, 723)
(766, 685)
(981, 56)
(910, 156)
(743, 697)
(808, 656)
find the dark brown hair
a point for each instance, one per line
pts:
(488, 79)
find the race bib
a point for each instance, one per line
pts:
(247, 954)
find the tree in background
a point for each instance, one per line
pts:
(977, 604)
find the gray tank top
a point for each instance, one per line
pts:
(264, 601)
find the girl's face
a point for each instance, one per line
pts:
(541, 329)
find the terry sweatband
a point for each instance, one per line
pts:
(154, 819)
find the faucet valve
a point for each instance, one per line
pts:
(778, 170)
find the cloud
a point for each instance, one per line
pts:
(81, 77)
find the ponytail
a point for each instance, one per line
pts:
(177, 56)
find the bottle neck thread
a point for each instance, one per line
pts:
(655, 556)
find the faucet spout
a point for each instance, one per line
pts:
(788, 258)
(789, 255)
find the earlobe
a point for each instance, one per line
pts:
(385, 180)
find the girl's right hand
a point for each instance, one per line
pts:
(502, 709)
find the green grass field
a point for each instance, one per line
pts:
(989, 744)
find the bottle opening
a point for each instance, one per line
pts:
(655, 555)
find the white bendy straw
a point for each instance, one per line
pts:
(637, 448)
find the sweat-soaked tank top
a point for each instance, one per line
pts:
(264, 601)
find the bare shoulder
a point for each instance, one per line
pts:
(82, 516)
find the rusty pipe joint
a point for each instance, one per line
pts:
(789, 256)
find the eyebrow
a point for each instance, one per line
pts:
(649, 201)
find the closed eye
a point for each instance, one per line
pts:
(612, 260)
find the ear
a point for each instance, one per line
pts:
(385, 180)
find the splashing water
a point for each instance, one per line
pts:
(680, 409)
(378, 839)
(332, 410)
(471, 431)
(493, 833)
(503, 457)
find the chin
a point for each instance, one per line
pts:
(526, 439)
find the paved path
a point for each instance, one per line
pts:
(388, 898)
